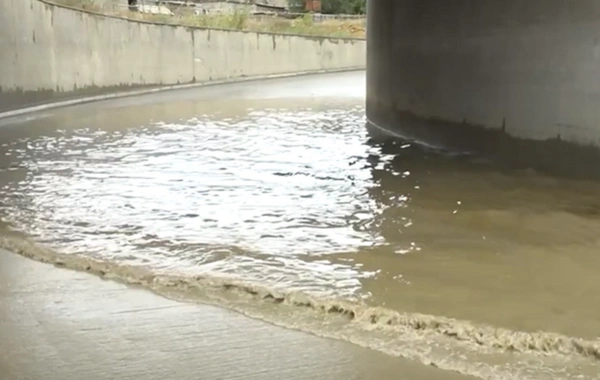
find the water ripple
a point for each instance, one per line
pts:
(246, 194)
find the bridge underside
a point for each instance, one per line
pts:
(517, 79)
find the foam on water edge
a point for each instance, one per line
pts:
(479, 350)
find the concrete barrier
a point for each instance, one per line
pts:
(50, 52)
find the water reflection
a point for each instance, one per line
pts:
(264, 192)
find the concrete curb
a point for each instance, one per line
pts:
(117, 95)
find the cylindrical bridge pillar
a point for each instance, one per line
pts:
(516, 79)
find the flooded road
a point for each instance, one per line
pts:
(267, 198)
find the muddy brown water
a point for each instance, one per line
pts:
(267, 198)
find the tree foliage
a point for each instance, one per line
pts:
(344, 6)
(336, 6)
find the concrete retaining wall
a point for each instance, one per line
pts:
(49, 52)
(526, 68)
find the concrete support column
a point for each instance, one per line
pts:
(474, 74)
